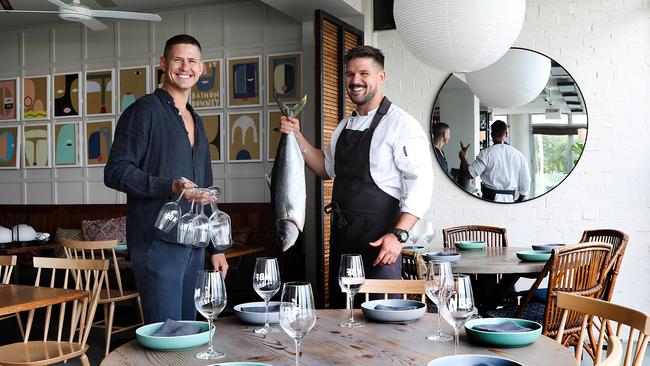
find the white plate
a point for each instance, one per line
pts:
(473, 360)
(392, 316)
(251, 317)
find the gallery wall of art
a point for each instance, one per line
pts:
(63, 88)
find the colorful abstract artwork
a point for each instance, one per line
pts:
(212, 125)
(67, 98)
(99, 92)
(66, 144)
(99, 137)
(8, 99)
(36, 146)
(36, 101)
(244, 82)
(133, 85)
(273, 134)
(158, 77)
(283, 77)
(206, 93)
(9, 147)
(244, 137)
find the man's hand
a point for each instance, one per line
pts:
(220, 263)
(289, 124)
(390, 249)
(184, 186)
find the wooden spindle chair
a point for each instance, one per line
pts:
(414, 267)
(387, 287)
(7, 264)
(491, 235)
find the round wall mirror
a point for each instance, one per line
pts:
(512, 131)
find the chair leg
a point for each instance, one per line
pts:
(84, 360)
(139, 303)
(20, 325)
(109, 327)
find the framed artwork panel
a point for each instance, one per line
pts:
(133, 85)
(36, 98)
(284, 77)
(100, 92)
(206, 93)
(9, 99)
(98, 141)
(273, 133)
(244, 81)
(244, 136)
(10, 147)
(67, 146)
(212, 122)
(158, 77)
(36, 146)
(67, 95)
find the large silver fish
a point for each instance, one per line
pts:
(288, 188)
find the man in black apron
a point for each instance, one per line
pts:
(378, 143)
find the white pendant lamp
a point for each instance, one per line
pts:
(513, 81)
(459, 35)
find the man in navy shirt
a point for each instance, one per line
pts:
(158, 140)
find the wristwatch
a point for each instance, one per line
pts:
(402, 235)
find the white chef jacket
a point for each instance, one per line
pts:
(502, 167)
(400, 157)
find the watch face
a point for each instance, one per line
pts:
(403, 236)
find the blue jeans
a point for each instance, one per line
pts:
(165, 274)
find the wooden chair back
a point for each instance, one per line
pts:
(577, 269)
(7, 263)
(618, 240)
(492, 235)
(606, 312)
(386, 287)
(414, 266)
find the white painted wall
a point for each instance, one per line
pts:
(605, 45)
(225, 29)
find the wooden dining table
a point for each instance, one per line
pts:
(16, 298)
(329, 344)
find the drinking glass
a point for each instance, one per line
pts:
(297, 312)
(428, 231)
(200, 224)
(216, 193)
(437, 285)
(209, 299)
(219, 222)
(185, 233)
(168, 215)
(266, 281)
(414, 235)
(459, 307)
(351, 278)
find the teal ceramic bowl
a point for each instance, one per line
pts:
(239, 364)
(470, 244)
(503, 339)
(417, 248)
(533, 255)
(144, 336)
(121, 247)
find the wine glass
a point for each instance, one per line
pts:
(297, 311)
(437, 285)
(351, 278)
(185, 233)
(216, 192)
(200, 224)
(219, 222)
(459, 307)
(168, 215)
(266, 281)
(414, 235)
(428, 232)
(209, 299)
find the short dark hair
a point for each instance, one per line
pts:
(363, 52)
(438, 129)
(499, 128)
(180, 39)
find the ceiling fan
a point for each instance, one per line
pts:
(75, 12)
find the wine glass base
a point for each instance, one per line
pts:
(351, 324)
(440, 337)
(207, 355)
(266, 330)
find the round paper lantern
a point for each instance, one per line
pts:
(458, 35)
(515, 80)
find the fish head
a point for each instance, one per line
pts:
(288, 233)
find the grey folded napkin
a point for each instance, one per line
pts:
(261, 309)
(505, 327)
(395, 308)
(173, 328)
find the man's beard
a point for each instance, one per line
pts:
(365, 98)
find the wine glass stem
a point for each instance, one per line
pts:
(439, 322)
(211, 329)
(266, 323)
(456, 336)
(351, 308)
(297, 340)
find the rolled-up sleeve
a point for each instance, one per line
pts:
(479, 165)
(412, 156)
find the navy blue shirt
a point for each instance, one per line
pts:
(150, 150)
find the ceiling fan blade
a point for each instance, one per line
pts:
(58, 3)
(125, 15)
(6, 5)
(29, 11)
(94, 24)
(103, 3)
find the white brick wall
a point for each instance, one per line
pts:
(605, 45)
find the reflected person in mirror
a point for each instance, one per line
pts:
(502, 168)
(380, 160)
(159, 139)
(441, 135)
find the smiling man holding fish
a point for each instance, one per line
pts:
(380, 160)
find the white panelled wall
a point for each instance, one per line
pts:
(225, 29)
(605, 45)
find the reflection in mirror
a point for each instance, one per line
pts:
(537, 146)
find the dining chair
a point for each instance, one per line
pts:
(387, 287)
(587, 309)
(112, 290)
(65, 332)
(578, 269)
(493, 236)
(618, 240)
(414, 267)
(7, 264)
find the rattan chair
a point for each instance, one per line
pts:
(618, 240)
(7, 263)
(588, 309)
(414, 266)
(67, 337)
(491, 235)
(112, 290)
(387, 287)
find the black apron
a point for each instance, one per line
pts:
(362, 212)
